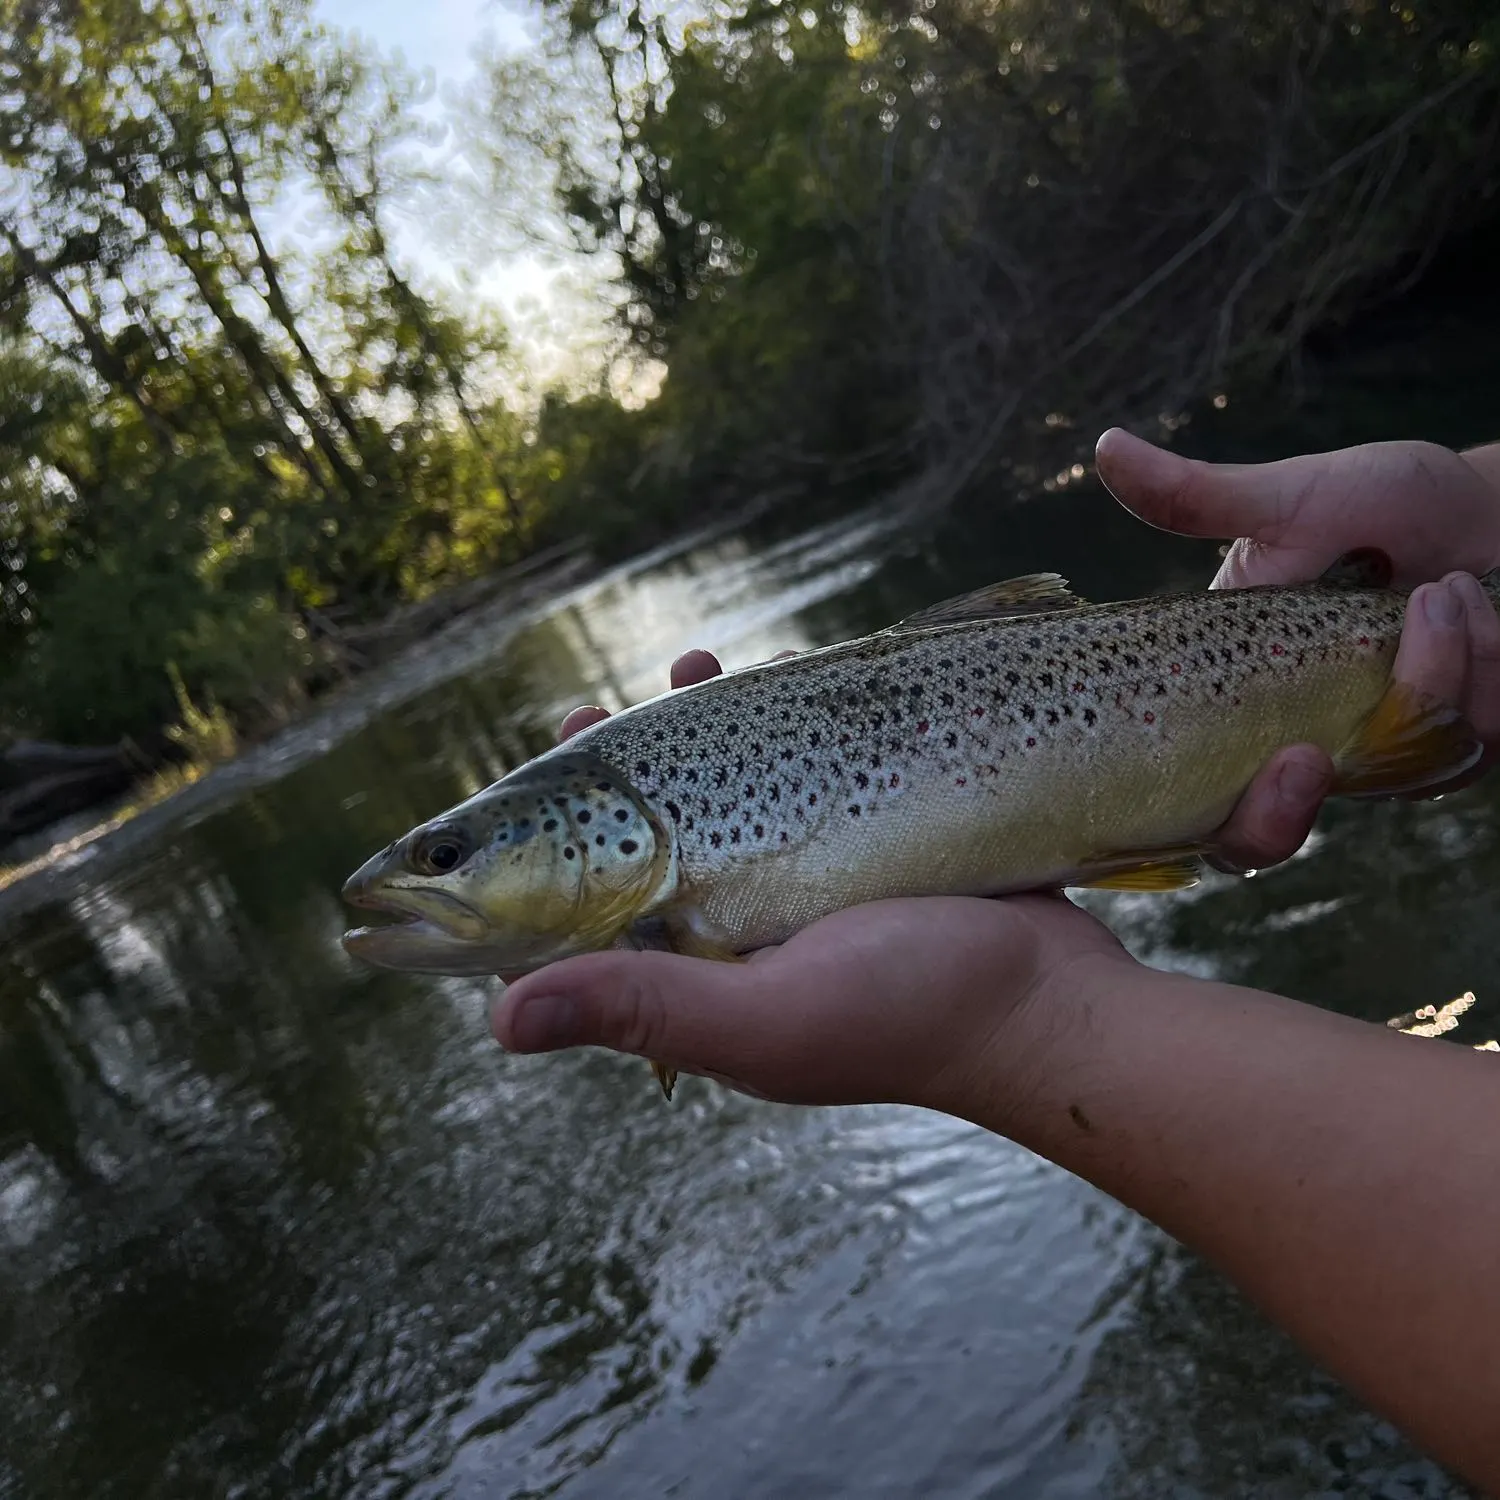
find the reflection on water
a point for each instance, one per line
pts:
(272, 1224)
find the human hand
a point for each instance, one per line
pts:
(1436, 516)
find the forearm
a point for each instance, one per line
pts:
(1346, 1177)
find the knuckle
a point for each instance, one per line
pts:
(636, 1019)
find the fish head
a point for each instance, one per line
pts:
(558, 858)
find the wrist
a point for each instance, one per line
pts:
(1014, 1080)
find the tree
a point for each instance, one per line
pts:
(207, 432)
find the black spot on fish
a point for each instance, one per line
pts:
(628, 846)
(642, 768)
(1089, 716)
(674, 812)
(621, 816)
(550, 825)
(569, 852)
(585, 816)
(599, 840)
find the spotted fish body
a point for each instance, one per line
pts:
(1011, 740)
(988, 757)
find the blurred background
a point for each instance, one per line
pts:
(378, 381)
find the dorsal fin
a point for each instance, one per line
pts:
(1363, 568)
(1031, 594)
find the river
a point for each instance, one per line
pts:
(274, 1224)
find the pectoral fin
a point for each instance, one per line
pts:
(1409, 743)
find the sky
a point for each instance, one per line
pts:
(436, 34)
(439, 38)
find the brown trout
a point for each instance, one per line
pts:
(1013, 739)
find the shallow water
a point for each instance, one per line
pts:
(271, 1224)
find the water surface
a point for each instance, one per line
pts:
(271, 1224)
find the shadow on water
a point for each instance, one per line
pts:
(271, 1224)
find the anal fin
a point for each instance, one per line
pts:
(1168, 867)
(1159, 875)
(1410, 742)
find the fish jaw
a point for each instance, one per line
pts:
(432, 932)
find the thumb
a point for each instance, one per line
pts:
(691, 1013)
(1193, 498)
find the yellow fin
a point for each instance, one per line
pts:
(1410, 742)
(1031, 594)
(1161, 875)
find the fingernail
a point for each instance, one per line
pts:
(546, 1023)
(1299, 781)
(1468, 589)
(1441, 606)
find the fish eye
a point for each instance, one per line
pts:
(440, 852)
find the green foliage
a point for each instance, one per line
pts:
(204, 435)
(866, 244)
(875, 239)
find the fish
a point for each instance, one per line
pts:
(1016, 738)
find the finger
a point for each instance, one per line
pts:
(1274, 817)
(1434, 654)
(1193, 498)
(581, 718)
(693, 667)
(1482, 626)
(691, 1013)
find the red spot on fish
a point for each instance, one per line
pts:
(1364, 640)
(960, 781)
(1077, 687)
(1031, 742)
(1278, 650)
(1149, 717)
(922, 726)
(978, 713)
(895, 780)
(1177, 669)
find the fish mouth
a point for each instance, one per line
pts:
(421, 911)
(431, 932)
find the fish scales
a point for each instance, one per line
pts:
(1009, 740)
(987, 756)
